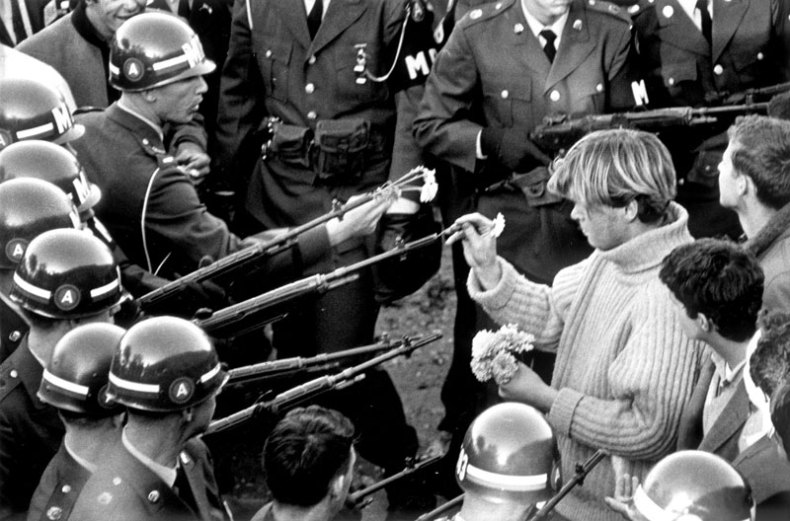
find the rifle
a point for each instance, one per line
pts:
(317, 386)
(360, 499)
(289, 366)
(267, 307)
(557, 134)
(757, 94)
(441, 509)
(250, 257)
(578, 479)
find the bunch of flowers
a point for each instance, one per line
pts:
(495, 353)
(427, 189)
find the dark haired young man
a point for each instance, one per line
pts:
(309, 463)
(718, 288)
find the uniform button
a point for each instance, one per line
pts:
(116, 481)
(311, 59)
(309, 88)
(268, 53)
(760, 56)
(671, 81)
(145, 141)
(518, 28)
(498, 5)
(681, 181)
(599, 87)
(718, 70)
(505, 94)
(312, 115)
(153, 496)
(54, 513)
(13, 373)
(555, 95)
(14, 336)
(66, 489)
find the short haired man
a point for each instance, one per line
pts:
(165, 371)
(308, 460)
(754, 180)
(718, 290)
(624, 368)
(65, 278)
(75, 383)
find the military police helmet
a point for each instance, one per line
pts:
(51, 163)
(694, 486)
(506, 455)
(28, 208)
(154, 49)
(32, 109)
(76, 377)
(165, 364)
(67, 274)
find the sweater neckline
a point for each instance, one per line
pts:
(648, 250)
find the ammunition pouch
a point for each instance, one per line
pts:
(336, 152)
(340, 147)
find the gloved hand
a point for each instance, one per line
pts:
(512, 148)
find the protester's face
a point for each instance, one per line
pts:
(547, 11)
(178, 102)
(108, 15)
(728, 185)
(605, 227)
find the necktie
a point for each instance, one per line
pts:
(707, 23)
(549, 48)
(18, 25)
(314, 17)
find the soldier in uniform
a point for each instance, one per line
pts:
(166, 372)
(696, 53)
(506, 66)
(65, 278)
(303, 70)
(27, 209)
(75, 383)
(504, 464)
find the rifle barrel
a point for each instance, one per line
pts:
(355, 497)
(316, 386)
(578, 477)
(441, 509)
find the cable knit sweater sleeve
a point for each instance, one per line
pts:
(648, 380)
(534, 308)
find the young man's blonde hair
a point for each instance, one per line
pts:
(615, 167)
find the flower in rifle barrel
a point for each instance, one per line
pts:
(429, 186)
(494, 353)
(499, 225)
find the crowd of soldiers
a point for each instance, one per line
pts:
(190, 188)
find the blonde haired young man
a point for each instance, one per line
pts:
(624, 367)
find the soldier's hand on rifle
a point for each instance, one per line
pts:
(358, 222)
(479, 247)
(194, 160)
(623, 500)
(512, 148)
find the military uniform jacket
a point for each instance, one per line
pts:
(492, 72)
(124, 488)
(58, 489)
(680, 68)
(274, 69)
(125, 157)
(12, 327)
(30, 431)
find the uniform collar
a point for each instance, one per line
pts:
(166, 474)
(82, 462)
(136, 115)
(536, 26)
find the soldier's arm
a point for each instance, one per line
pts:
(443, 126)
(241, 107)
(622, 71)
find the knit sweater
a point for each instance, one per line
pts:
(624, 368)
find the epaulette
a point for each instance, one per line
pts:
(163, 159)
(485, 12)
(601, 6)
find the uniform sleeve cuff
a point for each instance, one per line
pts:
(561, 412)
(498, 296)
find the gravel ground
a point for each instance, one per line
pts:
(418, 378)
